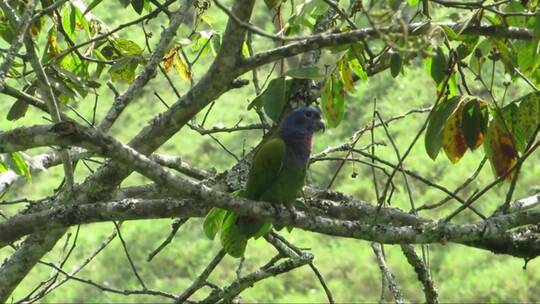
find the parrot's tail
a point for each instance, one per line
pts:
(236, 230)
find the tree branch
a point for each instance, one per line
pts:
(414, 29)
(122, 101)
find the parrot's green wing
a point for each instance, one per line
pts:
(265, 168)
(213, 221)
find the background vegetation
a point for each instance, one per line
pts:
(462, 274)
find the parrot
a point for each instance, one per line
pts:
(277, 175)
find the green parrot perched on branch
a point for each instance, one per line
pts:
(277, 175)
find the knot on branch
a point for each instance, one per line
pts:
(238, 83)
(67, 215)
(68, 129)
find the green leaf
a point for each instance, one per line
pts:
(73, 20)
(3, 167)
(450, 33)
(215, 44)
(525, 120)
(137, 5)
(124, 69)
(526, 57)
(333, 101)
(6, 32)
(92, 5)
(358, 69)
(413, 2)
(124, 3)
(257, 102)
(79, 83)
(479, 55)
(127, 47)
(437, 121)
(464, 50)
(212, 222)
(506, 55)
(272, 3)
(20, 166)
(275, 98)
(67, 23)
(515, 7)
(452, 86)
(439, 66)
(17, 110)
(474, 123)
(60, 86)
(73, 64)
(307, 72)
(395, 64)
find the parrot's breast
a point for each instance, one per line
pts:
(287, 185)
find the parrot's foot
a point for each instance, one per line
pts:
(294, 216)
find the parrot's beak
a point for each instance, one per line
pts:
(319, 125)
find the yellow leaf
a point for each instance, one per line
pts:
(182, 67)
(169, 59)
(453, 140)
(346, 74)
(245, 50)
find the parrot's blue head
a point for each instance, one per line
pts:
(297, 128)
(304, 120)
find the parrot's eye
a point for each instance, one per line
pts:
(308, 114)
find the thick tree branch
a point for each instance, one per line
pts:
(422, 272)
(131, 209)
(414, 29)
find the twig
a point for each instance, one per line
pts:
(479, 194)
(77, 269)
(390, 279)
(126, 251)
(356, 137)
(458, 189)
(282, 245)
(259, 31)
(122, 101)
(201, 279)
(237, 286)
(52, 105)
(125, 292)
(176, 224)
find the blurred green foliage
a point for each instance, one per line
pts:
(461, 274)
